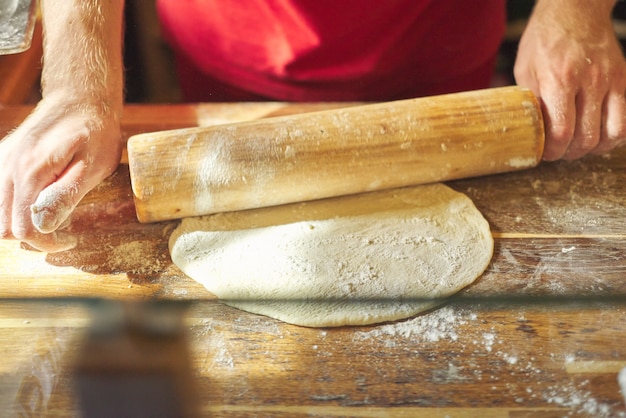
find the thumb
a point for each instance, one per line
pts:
(55, 203)
(52, 207)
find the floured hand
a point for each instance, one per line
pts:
(72, 140)
(571, 59)
(60, 152)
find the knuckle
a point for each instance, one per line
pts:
(5, 225)
(616, 132)
(23, 233)
(585, 143)
(616, 135)
(561, 133)
(20, 234)
(582, 145)
(597, 78)
(552, 153)
(569, 78)
(521, 73)
(5, 233)
(558, 139)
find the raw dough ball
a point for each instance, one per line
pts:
(351, 260)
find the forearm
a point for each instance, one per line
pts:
(83, 52)
(575, 17)
(585, 8)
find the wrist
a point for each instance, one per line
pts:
(575, 20)
(576, 10)
(85, 102)
(99, 103)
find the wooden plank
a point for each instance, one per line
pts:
(595, 367)
(456, 361)
(583, 197)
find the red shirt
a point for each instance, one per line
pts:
(316, 50)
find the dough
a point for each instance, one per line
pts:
(351, 260)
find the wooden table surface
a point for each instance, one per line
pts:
(554, 349)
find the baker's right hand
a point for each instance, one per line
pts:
(59, 153)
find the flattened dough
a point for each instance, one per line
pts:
(351, 260)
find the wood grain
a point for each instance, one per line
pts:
(521, 342)
(272, 161)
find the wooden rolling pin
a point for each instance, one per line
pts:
(273, 161)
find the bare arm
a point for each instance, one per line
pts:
(570, 57)
(72, 139)
(83, 51)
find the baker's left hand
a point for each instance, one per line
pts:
(571, 59)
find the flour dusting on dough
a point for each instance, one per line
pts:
(352, 260)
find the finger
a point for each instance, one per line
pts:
(6, 194)
(588, 121)
(613, 130)
(55, 203)
(52, 243)
(53, 207)
(559, 113)
(6, 204)
(23, 229)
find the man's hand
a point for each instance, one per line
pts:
(48, 164)
(72, 139)
(570, 58)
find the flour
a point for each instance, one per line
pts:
(522, 162)
(489, 339)
(212, 174)
(435, 326)
(127, 258)
(579, 400)
(52, 208)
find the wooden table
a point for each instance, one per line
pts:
(554, 349)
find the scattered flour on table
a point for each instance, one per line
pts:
(435, 326)
(135, 257)
(576, 396)
(489, 339)
(579, 401)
